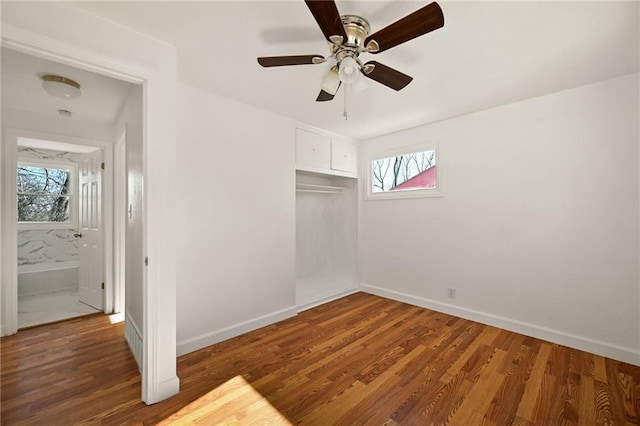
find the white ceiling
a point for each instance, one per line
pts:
(100, 102)
(488, 54)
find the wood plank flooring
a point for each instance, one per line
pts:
(359, 360)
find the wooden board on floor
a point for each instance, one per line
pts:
(361, 359)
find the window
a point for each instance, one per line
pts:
(45, 194)
(407, 174)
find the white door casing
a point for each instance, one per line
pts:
(119, 223)
(91, 246)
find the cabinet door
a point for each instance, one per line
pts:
(312, 149)
(344, 155)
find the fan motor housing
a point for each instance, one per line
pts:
(357, 29)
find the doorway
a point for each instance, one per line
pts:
(59, 231)
(150, 65)
(67, 248)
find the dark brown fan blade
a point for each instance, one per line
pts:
(326, 96)
(387, 76)
(418, 23)
(327, 17)
(279, 61)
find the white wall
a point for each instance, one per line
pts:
(236, 224)
(538, 226)
(130, 120)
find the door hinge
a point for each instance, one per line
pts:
(103, 286)
(102, 166)
(146, 261)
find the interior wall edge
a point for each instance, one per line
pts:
(8, 225)
(211, 338)
(598, 347)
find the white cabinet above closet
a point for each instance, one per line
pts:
(312, 150)
(344, 155)
(322, 152)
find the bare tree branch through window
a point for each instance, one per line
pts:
(43, 194)
(395, 173)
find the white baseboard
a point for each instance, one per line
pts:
(193, 344)
(165, 389)
(609, 350)
(134, 338)
(327, 299)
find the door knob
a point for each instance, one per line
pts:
(78, 235)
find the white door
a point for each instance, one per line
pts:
(91, 278)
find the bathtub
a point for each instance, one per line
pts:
(47, 277)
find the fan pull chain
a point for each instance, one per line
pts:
(344, 113)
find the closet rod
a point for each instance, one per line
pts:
(328, 191)
(315, 187)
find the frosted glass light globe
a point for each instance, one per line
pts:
(60, 87)
(348, 70)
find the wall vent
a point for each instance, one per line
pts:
(134, 339)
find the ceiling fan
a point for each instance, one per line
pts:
(348, 37)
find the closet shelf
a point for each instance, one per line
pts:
(307, 187)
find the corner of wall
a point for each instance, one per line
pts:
(620, 353)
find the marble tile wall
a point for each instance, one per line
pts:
(46, 154)
(46, 246)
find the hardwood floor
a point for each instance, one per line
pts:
(359, 360)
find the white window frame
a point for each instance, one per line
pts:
(73, 194)
(407, 193)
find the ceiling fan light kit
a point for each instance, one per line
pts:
(349, 70)
(349, 37)
(331, 81)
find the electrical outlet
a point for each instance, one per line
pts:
(451, 292)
